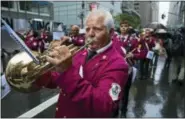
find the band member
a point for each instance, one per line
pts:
(150, 42)
(149, 39)
(128, 43)
(161, 57)
(147, 43)
(75, 37)
(34, 43)
(140, 53)
(124, 44)
(29, 38)
(91, 86)
(117, 43)
(44, 35)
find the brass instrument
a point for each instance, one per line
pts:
(21, 71)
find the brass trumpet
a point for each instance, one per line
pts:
(21, 72)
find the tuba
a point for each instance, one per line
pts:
(22, 72)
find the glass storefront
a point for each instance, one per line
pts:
(7, 4)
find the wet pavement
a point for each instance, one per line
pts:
(156, 100)
(15, 103)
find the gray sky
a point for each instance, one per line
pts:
(163, 9)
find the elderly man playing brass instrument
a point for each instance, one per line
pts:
(77, 38)
(92, 81)
(74, 38)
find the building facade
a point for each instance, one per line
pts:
(19, 14)
(155, 11)
(176, 14)
(74, 12)
(147, 11)
(130, 7)
(71, 12)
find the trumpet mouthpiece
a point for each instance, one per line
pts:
(90, 40)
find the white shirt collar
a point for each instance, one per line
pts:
(104, 48)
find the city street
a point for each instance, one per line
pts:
(161, 101)
(146, 100)
(149, 35)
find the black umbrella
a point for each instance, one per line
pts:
(155, 25)
(162, 33)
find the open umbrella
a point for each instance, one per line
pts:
(162, 32)
(155, 25)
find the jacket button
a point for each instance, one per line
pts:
(57, 109)
(64, 94)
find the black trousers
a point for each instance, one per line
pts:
(126, 96)
(124, 100)
(144, 67)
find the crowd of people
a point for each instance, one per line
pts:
(100, 90)
(96, 81)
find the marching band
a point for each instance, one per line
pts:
(95, 86)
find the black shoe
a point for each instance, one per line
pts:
(174, 81)
(146, 77)
(123, 116)
(141, 78)
(180, 83)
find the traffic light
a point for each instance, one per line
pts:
(163, 16)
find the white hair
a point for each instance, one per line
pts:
(108, 21)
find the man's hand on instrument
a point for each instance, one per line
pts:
(56, 43)
(130, 55)
(61, 57)
(66, 39)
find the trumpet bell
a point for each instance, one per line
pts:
(16, 69)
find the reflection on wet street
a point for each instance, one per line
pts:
(160, 100)
(16, 103)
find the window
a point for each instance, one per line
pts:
(83, 4)
(7, 4)
(24, 5)
(136, 3)
(136, 8)
(112, 2)
(44, 9)
(28, 6)
(34, 6)
(111, 11)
